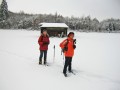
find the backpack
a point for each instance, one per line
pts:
(65, 48)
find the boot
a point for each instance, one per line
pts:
(70, 71)
(65, 74)
(40, 62)
(45, 62)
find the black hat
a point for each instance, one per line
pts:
(44, 30)
(70, 33)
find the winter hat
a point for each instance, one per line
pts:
(44, 30)
(71, 33)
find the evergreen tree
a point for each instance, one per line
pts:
(0, 14)
(110, 26)
(4, 13)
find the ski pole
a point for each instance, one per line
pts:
(63, 58)
(54, 54)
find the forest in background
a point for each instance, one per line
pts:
(22, 20)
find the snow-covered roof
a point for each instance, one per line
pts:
(53, 25)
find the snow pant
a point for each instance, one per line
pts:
(41, 55)
(68, 62)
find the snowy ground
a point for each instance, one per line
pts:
(96, 62)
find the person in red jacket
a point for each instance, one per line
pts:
(68, 46)
(43, 41)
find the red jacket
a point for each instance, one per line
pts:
(43, 41)
(70, 51)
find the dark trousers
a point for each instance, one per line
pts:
(41, 55)
(68, 62)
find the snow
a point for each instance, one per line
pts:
(96, 62)
(54, 25)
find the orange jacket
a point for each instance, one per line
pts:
(70, 51)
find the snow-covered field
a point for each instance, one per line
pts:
(96, 62)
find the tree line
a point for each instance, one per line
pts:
(21, 20)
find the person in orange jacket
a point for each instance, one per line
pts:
(68, 46)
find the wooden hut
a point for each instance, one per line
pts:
(55, 29)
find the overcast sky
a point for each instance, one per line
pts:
(100, 9)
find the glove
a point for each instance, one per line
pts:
(74, 41)
(45, 42)
(65, 49)
(74, 46)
